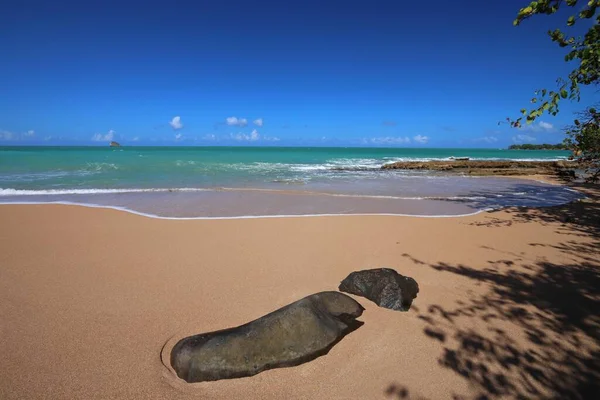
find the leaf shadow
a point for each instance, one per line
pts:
(533, 331)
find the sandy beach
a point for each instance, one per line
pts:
(91, 299)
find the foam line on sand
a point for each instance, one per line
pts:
(143, 214)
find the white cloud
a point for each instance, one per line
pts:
(135, 139)
(176, 123)
(388, 140)
(421, 139)
(539, 127)
(240, 137)
(98, 137)
(178, 136)
(235, 121)
(523, 138)
(8, 135)
(259, 122)
(252, 137)
(487, 139)
(210, 136)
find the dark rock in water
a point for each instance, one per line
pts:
(292, 335)
(114, 144)
(462, 165)
(384, 286)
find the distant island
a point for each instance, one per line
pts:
(559, 146)
(114, 144)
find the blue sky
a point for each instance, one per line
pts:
(376, 73)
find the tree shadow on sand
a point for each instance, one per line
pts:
(519, 194)
(534, 329)
(583, 215)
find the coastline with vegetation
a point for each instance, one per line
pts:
(545, 146)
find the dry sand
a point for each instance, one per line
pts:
(508, 303)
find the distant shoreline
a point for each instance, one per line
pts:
(544, 146)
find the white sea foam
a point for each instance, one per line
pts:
(181, 163)
(46, 192)
(9, 192)
(376, 164)
(37, 176)
(336, 164)
(391, 160)
(89, 169)
(100, 166)
(118, 208)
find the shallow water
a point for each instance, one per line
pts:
(235, 182)
(440, 196)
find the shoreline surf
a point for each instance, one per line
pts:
(240, 182)
(447, 198)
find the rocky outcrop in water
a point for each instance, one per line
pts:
(292, 335)
(114, 144)
(474, 167)
(384, 286)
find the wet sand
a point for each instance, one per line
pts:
(425, 195)
(91, 298)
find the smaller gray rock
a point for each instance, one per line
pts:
(384, 286)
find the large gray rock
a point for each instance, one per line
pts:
(384, 286)
(292, 335)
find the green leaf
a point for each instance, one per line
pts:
(546, 106)
(571, 21)
(592, 111)
(564, 94)
(523, 111)
(577, 122)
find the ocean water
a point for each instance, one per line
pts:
(190, 182)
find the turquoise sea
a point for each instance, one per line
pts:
(253, 181)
